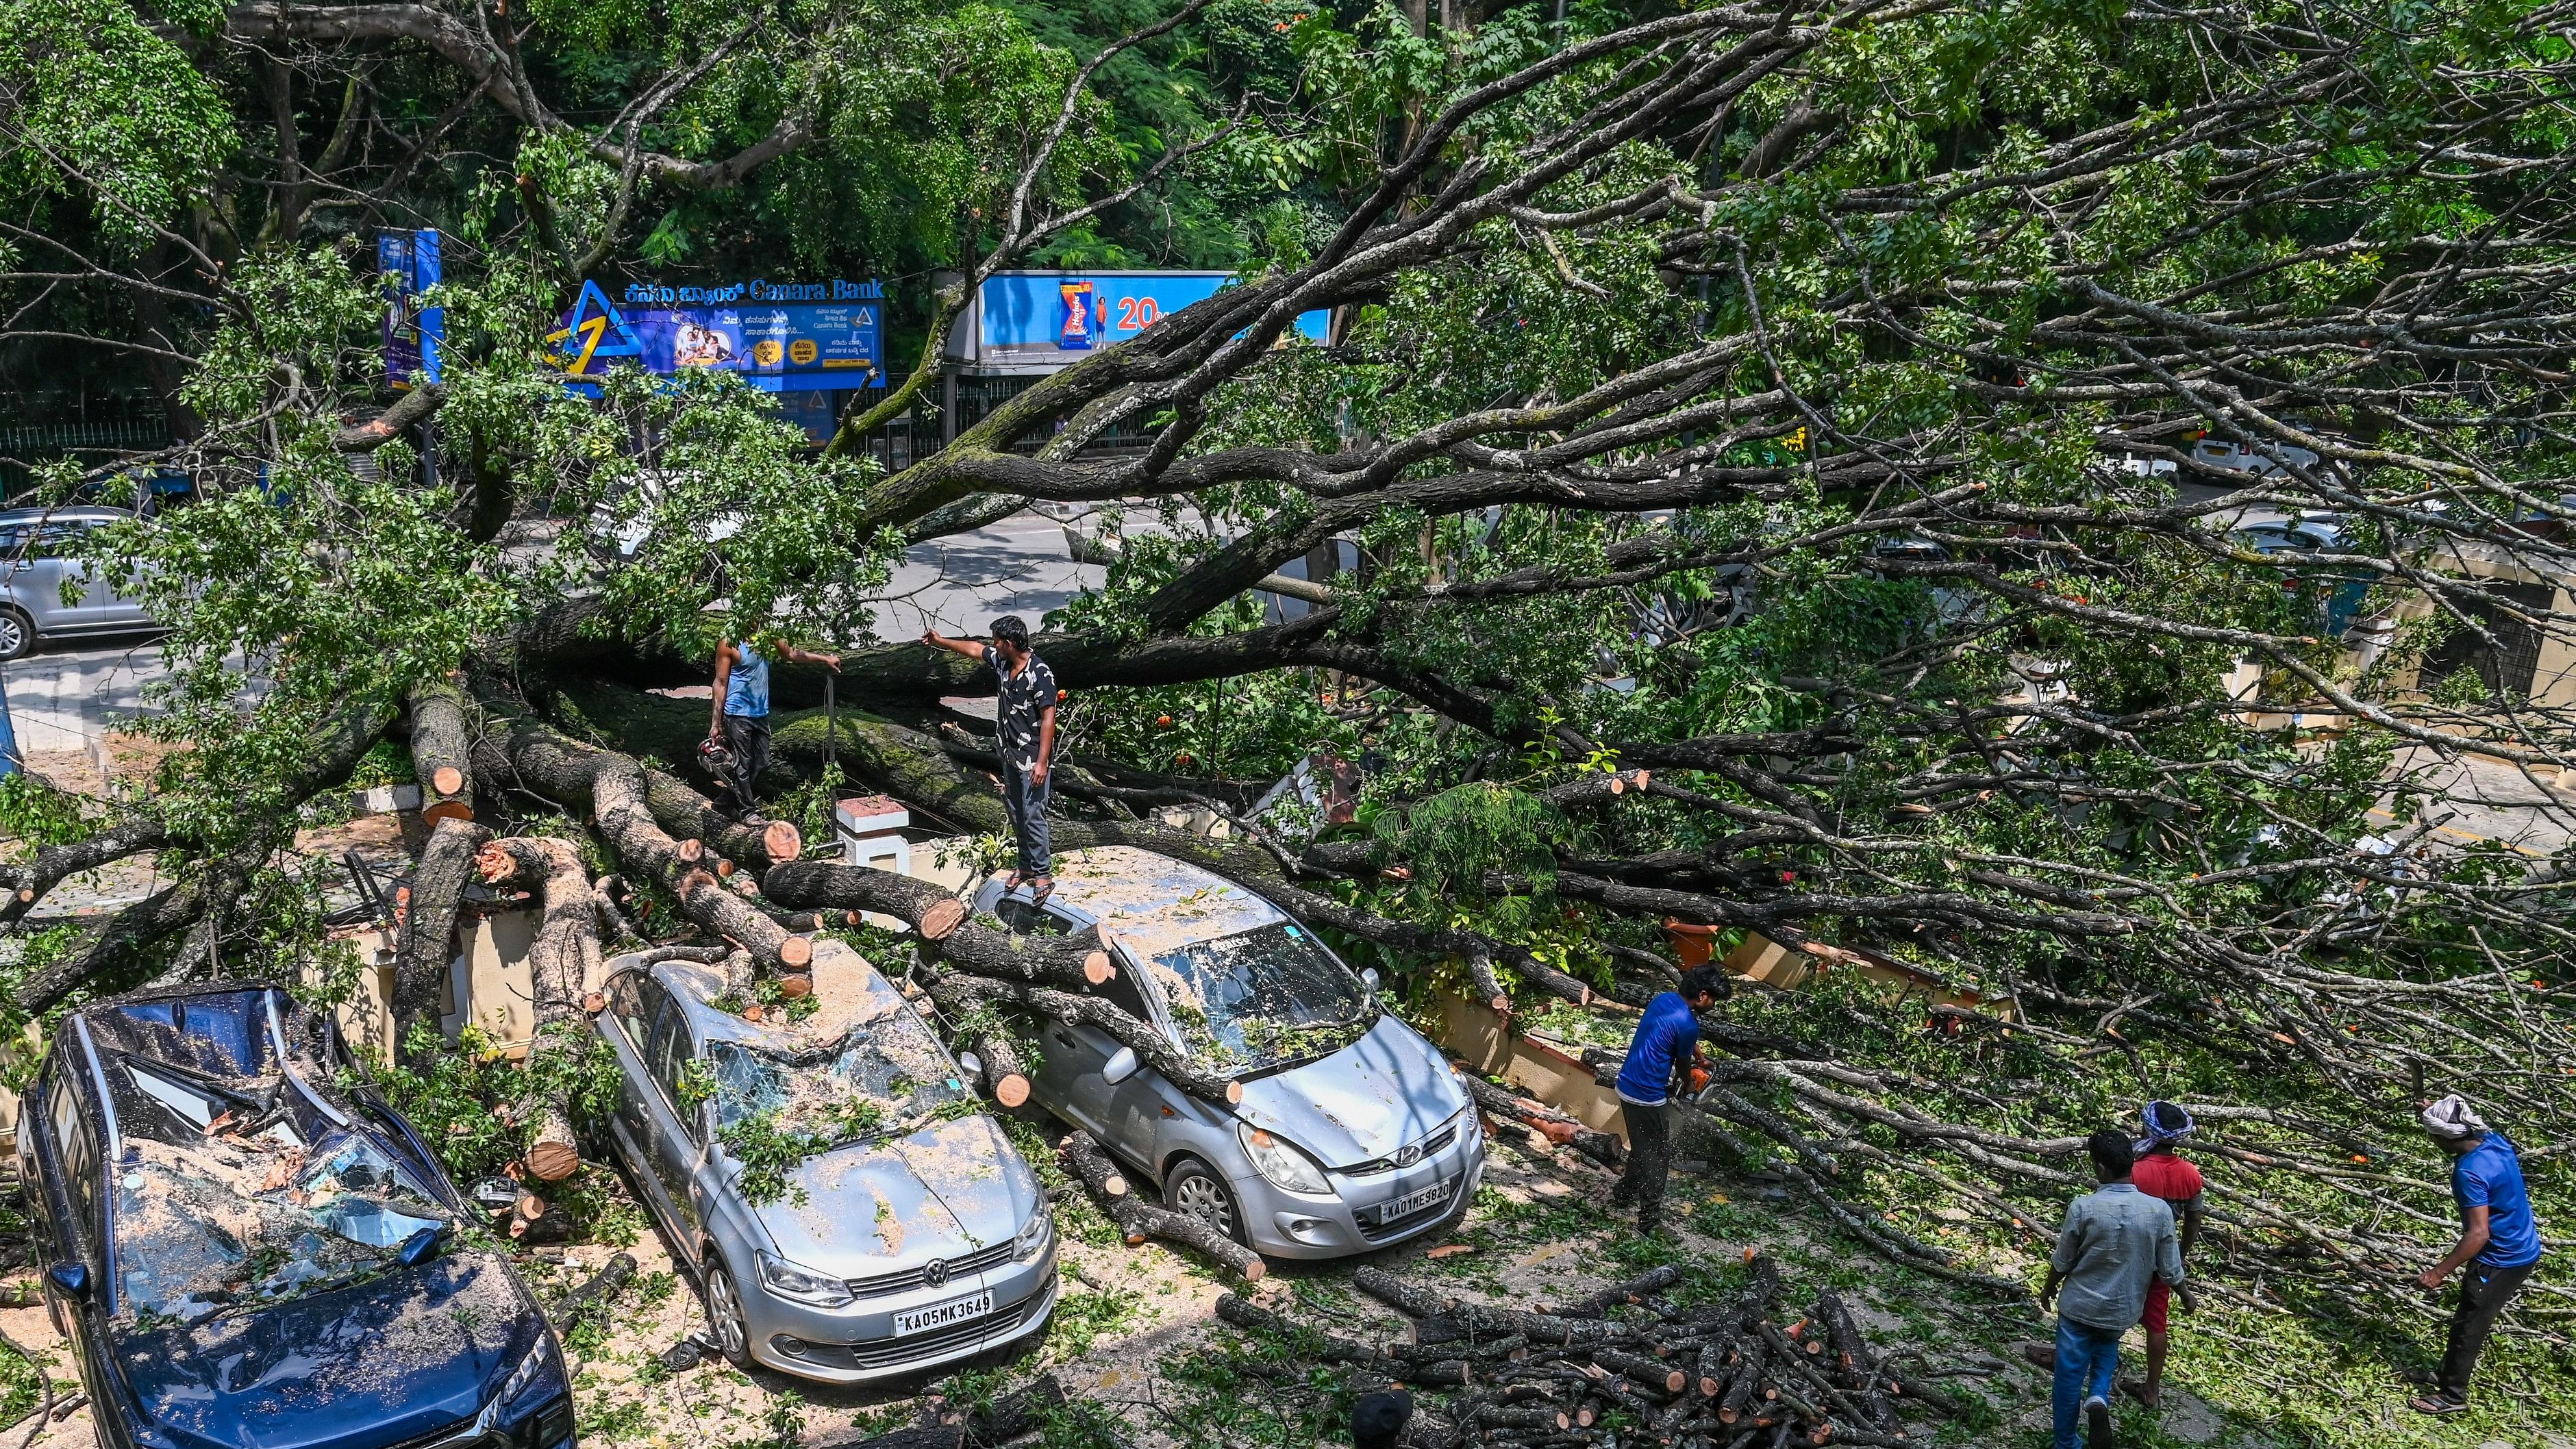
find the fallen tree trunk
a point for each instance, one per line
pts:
(429, 924)
(563, 968)
(1136, 1221)
(611, 788)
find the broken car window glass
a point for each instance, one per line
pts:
(877, 1079)
(215, 1207)
(1269, 994)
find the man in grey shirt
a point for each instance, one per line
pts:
(2114, 1242)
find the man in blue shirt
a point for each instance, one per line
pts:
(741, 724)
(2499, 1243)
(1667, 1040)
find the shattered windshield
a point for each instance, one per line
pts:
(1266, 995)
(878, 1078)
(250, 1219)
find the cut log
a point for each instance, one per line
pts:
(1325, 1346)
(1539, 1328)
(1489, 987)
(1092, 1166)
(564, 965)
(442, 750)
(1652, 1373)
(1652, 1281)
(1017, 1414)
(1006, 1080)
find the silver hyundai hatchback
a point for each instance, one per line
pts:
(1334, 1149)
(916, 1238)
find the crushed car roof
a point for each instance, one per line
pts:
(1153, 903)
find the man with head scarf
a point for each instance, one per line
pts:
(2160, 1173)
(2499, 1243)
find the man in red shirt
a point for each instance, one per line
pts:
(2160, 1173)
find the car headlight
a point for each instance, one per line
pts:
(529, 1370)
(1036, 1237)
(802, 1284)
(1280, 1162)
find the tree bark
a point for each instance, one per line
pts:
(1138, 1221)
(563, 968)
(611, 788)
(429, 925)
(442, 750)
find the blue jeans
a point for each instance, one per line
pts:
(2087, 1359)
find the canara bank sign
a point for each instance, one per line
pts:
(758, 289)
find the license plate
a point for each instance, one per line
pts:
(940, 1315)
(1415, 1201)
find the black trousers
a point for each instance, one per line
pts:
(1650, 1161)
(747, 735)
(2484, 1292)
(1027, 806)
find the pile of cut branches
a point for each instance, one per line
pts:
(1626, 1366)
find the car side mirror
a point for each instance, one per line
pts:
(971, 1064)
(71, 1278)
(495, 1194)
(1119, 1067)
(1369, 979)
(419, 1246)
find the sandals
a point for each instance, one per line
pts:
(1044, 888)
(2438, 1405)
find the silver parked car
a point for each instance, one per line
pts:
(36, 563)
(918, 1239)
(1334, 1149)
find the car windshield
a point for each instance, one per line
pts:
(251, 1219)
(877, 1079)
(1262, 996)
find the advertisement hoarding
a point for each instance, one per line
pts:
(1060, 317)
(774, 346)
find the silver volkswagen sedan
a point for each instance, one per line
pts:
(1353, 1132)
(910, 1235)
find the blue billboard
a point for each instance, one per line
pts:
(774, 346)
(1061, 317)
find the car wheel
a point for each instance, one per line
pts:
(17, 635)
(725, 1323)
(1194, 1188)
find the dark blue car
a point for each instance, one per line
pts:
(246, 1257)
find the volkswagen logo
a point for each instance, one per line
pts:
(1408, 1154)
(935, 1273)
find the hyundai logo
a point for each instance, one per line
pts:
(1408, 1155)
(935, 1272)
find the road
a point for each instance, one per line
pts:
(63, 700)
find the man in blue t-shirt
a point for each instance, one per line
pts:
(2499, 1243)
(1666, 1042)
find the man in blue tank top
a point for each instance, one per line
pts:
(741, 724)
(1666, 1042)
